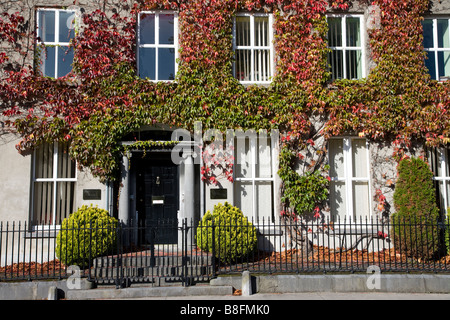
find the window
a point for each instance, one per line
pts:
(254, 174)
(55, 30)
(346, 41)
(157, 45)
(53, 188)
(350, 183)
(436, 42)
(252, 42)
(440, 165)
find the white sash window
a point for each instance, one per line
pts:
(346, 41)
(253, 48)
(157, 45)
(55, 30)
(436, 42)
(53, 188)
(350, 182)
(254, 175)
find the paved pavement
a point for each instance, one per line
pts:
(311, 296)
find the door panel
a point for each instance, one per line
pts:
(157, 200)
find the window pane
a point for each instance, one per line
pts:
(353, 32)
(430, 63)
(243, 31)
(261, 31)
(428, 33)
(361, 201)
(336, 154)
(66, 26)
(337, 200)
(447, 160)
(147, 63)
(336, 62)
(243, 158)
(166, 65)
(444, 63)
(264, 158)
(243, 197)
(65, 200)
(65, 60)
(243, 65)
(443, 33)
(48, 56)
(46, 27)
(334, 32)
(262, 65)
(147, 29)
(44, 161)
(43, 203)
(264, 200)
(353, 62)
(166, 29)
(66, 166)
(359, 158)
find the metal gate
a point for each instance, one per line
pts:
(134, 261)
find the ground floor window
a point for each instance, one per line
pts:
(53, 184)
(254, 175)
(350, 182)
(440, 165)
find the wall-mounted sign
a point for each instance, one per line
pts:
(92, 194)
(218, 194)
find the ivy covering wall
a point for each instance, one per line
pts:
(102, 100)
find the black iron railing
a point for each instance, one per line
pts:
(181, 251)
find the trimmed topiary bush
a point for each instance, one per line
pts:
(234, 236)
(87, 233)
(414, 224)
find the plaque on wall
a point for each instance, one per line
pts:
(92, 194)
(218, 194)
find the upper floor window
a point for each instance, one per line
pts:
(55, 30)
(436, 42)
(157, 45)
(346, 41)
(253, 48)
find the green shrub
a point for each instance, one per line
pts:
(234, 236)
(87, 233)
(414, 223)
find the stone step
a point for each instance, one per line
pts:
(161, 271)
(151, 261)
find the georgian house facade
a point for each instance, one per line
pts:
(44, 184)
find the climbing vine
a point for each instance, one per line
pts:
(102, 100)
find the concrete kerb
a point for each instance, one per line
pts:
(225, 285)
(389, 283)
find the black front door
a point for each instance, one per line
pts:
(157, 198)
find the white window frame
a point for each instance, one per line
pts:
(348, 178)
(344, 48)
(252, 47)
(57, 44)
(54, 179)
(253, 144)
(443, 179)
(157, 45)
(435, 49)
